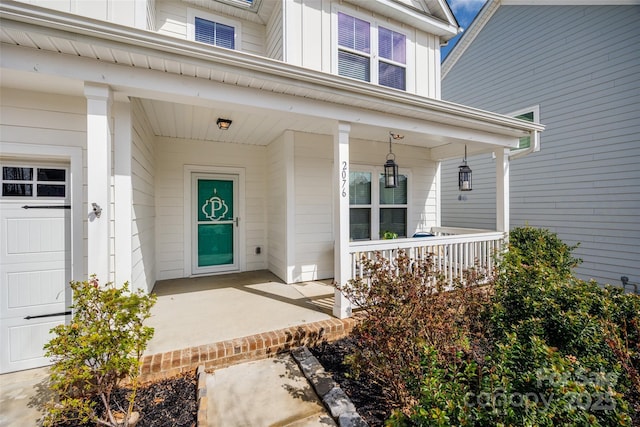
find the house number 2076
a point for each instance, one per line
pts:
(344, 179)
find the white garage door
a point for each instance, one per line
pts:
(34, 261)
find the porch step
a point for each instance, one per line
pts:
(254, 347)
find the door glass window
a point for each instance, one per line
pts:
(215, 222)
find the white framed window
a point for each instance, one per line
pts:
(372, 51)
(374, 209)
(531, 114)
(212, 29)
(34, 182)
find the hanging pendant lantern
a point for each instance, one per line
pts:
(464, 174)
(390, 166)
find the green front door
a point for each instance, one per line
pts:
(215, 223)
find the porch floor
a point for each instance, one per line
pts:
(199, 311)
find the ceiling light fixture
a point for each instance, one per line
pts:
(223, 124)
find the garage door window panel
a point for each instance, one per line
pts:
(33, 182)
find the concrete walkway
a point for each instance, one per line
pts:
(22, 396)
(269, 392)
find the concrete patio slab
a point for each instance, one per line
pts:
(269, 392)
(204, 310)
(22, 397)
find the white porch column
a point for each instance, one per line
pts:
(99, 141)
(502, 189)
(342, 264)
(123, 199)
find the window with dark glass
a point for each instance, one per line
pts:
(374, 209)
(214, 33)
(18, 181)
(525, 141)
(360, 205)
(393, 207)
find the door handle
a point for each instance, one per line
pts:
(62, 313)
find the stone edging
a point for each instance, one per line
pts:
(334, 398)
(203, 400)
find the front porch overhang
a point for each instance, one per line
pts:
(55, 51)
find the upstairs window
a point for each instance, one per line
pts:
(530, 115)
(372, 53)
(214, 33)
(213, 29)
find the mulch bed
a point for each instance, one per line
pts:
(167, 403)
(366, 396)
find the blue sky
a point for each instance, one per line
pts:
(465, 11)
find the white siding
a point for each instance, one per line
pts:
(143, 171)
(313, 207)
(171, 19)
(274, 31)
(125, 12)
(172, 155)
(47, 119)
(277, 208)
(582, 71)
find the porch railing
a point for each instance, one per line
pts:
(453, 250)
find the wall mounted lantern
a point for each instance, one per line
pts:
(223, 124)
(464, 174)
(390, 166)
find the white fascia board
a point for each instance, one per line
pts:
(410, 16)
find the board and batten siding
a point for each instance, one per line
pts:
(172, 155)
(143, 229)
(582, 70)
(172, 16)
(309, 41)
(28, 117)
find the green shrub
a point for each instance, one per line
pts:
(562, 351)
(101, 346)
